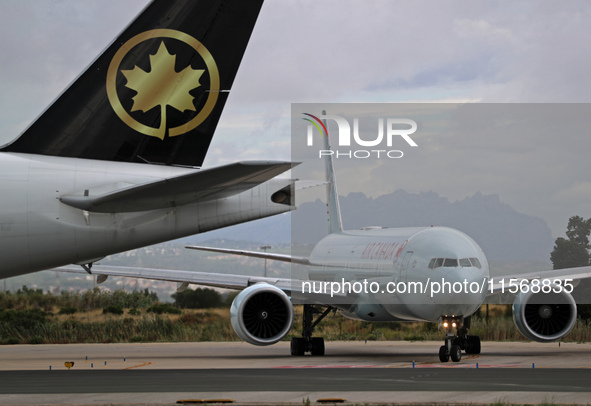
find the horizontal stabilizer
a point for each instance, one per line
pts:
(255, 254)
(198, 186)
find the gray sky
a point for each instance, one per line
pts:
(358, 51)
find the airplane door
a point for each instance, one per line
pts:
(405, 265)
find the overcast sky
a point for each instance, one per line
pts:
(357, 51)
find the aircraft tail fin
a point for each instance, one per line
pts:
(157, 92)
(335, 224)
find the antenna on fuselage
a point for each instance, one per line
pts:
(335, 224)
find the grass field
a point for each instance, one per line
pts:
(34, 326)
(30, 316)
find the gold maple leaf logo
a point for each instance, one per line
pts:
(162, 86)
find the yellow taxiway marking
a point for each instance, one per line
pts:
(139, 366)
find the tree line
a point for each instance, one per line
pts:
(574, 251)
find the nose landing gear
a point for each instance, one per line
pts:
(450, 350)
(455, 344)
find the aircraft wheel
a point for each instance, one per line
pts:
(443, 354)
(473, 345)
(297, 346)
(456, 353)
(317, 346)
(459, 342)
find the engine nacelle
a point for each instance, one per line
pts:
(542, 322)
(261, 314)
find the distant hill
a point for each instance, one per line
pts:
(503, 233)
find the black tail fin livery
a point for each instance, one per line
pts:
(156, 94)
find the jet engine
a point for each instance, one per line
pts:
(545, 317)
(261, 314)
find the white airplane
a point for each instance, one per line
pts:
(114, 163)
(400, 275)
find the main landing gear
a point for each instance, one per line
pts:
(307, 343)
(455, 344)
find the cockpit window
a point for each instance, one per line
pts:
(450, 262)
(465, 262)
(435, 263)
(475, 262)
(453, 262)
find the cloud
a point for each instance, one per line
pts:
(534, 156)
(402, 50)
(46, 45)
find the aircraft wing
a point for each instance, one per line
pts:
(502, 283)
(217, 280)
(198, 186)
(292, 287)
(255, 254)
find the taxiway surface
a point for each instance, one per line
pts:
(357, 371)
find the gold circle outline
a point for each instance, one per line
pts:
(212, 68)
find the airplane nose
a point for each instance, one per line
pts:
(454, 291)
(460, 286)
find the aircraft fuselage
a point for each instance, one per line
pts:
(417, 274)
(38, 232)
